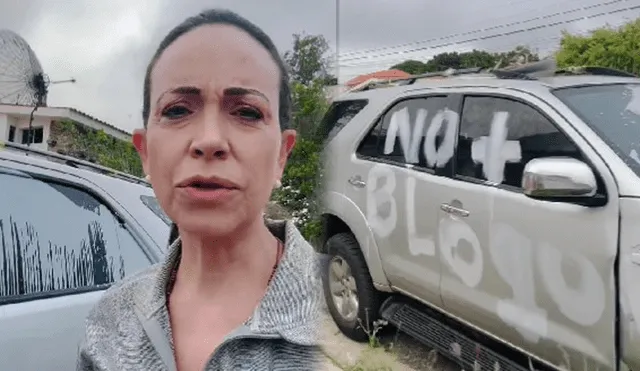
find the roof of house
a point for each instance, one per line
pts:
(72, 110)
(95, 119)
(381, 75)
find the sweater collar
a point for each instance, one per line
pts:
(291, 307)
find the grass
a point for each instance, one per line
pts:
(380, 355)
(371, 359)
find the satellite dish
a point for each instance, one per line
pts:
(22, 80)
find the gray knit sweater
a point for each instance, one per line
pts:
(129, 328)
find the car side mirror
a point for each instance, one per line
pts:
(558, 178)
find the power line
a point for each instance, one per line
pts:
(503, 48)
(547, 16)
(473, 32)
(510, 3)
(495, 36)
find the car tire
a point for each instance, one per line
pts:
(344, 248)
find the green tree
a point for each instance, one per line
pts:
(478, 58)
(411, 66)
(444, 61)
(474, 58)
(308, 66)
(309, 105)
(605, 47)
(307, 60)
(519, 55)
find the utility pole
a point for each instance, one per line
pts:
(338, 42)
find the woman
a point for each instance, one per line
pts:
(235, 292)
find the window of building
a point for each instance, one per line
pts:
(37, 135)
(498, 136)
(12, 134)
(59, 238)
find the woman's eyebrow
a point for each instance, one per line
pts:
(182, 90)
(238, 91)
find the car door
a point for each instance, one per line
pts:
(404, 158)
(60, 248)
(462, 214)
(545, 281)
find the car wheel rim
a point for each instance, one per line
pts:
(343, 289)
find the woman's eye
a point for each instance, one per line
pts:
(250, 114)
(175, 112)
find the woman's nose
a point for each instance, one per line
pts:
(210, 142)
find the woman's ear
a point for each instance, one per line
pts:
(288, 142)
(139, 140)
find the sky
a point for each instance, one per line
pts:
(106, 45)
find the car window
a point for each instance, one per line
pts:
(413, 132)
(498, 136)
(338, 116)
(613, 112)
(153, 205)
(54, 238)
(140, 202)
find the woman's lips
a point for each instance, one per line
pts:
(209, 195)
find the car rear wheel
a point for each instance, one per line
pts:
(352, 300)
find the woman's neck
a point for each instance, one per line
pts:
(211, 264)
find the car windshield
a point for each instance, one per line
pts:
(613, 112)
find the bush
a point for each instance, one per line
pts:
(604, 47)
(299, 190)
(98, 146)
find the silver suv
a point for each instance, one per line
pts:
(68, 230)
(493, 216)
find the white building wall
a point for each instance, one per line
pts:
(22, 124)
(60, 113)
(4, 127)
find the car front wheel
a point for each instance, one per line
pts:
(352, 300)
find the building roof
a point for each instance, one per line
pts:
(66, 112)
(95, 119)
(380, 75)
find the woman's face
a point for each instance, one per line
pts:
(213, 148)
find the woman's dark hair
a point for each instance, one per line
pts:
(221, 16)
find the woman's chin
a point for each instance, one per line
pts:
(212, 222)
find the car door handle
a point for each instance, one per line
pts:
(454, 210)
(356, 181)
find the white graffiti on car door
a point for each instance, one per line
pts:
(451, 231)
(514, 256)
(522, 312)
(583, 305)
(377, 197)
(417, 245)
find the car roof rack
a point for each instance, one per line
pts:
(548, 68)
(73, 162)
(446, 73)
(379, 83)
(530, 71)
